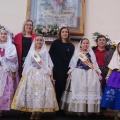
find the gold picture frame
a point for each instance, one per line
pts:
(78, 28)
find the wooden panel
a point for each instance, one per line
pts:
(28, 9)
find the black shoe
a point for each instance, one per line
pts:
(63, 113)
(60, 113)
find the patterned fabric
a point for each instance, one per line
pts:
(47, 64)
(7, 88)
(8, 65)
(84, 90)
(108, 55)
(81, 65)
(35, 92)
(2, 52)
(114, 79)
(111, 98)
(6, 98)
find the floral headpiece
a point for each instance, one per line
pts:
(97, 34)
(110, 44)
(1, 26)
(62, 25)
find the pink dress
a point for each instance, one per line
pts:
(8, 86)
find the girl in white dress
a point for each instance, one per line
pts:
(35, 92)
(83, 86)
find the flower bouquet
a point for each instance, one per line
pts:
(48, 30)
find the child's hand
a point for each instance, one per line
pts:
(35, 55)
(40, 62)
(52, 80)
(68, 78)
(100, 78)
(13, 75)
(107, 78)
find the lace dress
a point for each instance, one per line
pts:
(83, 90)
(35, 92)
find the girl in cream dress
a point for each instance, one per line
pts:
(35, 92)
(83, 84)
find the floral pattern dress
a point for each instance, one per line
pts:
(7, 84)
(35, 92)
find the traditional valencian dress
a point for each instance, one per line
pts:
(111, 96)
(83, 89)
(35, 92)
(8, 65)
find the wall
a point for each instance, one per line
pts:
(13, 14)
(101, 15)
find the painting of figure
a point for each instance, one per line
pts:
(47, 12)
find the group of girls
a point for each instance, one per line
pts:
(61, 79)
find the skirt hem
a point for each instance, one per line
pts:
(24, 109)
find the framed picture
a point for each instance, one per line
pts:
(48, 12)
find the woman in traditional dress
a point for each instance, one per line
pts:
(83, 86)
(8, 70)
(111, 96)
(61, 52)
(23, 41)
(35, 92)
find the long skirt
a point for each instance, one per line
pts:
(111, 96)
(8, 90)
(35, 93)
(83, 92)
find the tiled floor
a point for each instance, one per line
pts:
(13, 115)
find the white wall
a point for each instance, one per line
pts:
(13, 14)
(101, 15)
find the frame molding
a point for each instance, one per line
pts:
(73, 32)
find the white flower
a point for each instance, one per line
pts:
(62, 25)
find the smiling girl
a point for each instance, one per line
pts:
(83, 82)
(35, 92)
(8, 70)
